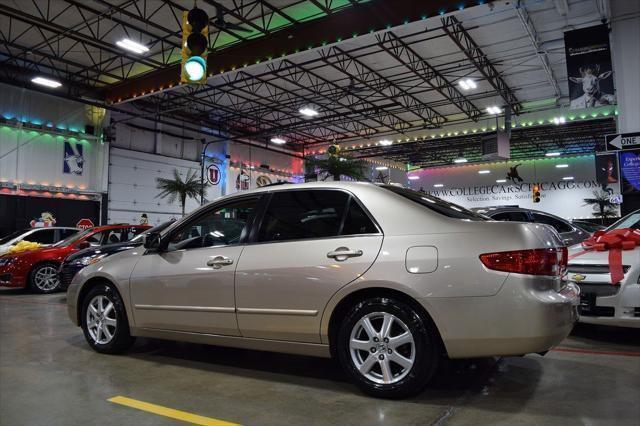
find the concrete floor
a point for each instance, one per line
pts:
(48, 375)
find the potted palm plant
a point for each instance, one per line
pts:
(177, 188)
(336, 165)
(602, 205)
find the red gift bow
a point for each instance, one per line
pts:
(614, 242)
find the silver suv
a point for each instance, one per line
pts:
(385, 279)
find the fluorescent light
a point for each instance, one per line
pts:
(467, 84)
(385, 142)
(484, 172)
(493, 110)
(382, 168)
(132, 46)
(46, 82)
(552, 154)
(460, 160)
(438, 185)
(562, 166)
(308, 112)
(567, 178)
(278, 140)
(501, 180)
(414, 177)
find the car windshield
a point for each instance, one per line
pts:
(436, 204)
(157, 228)
(631, 220)
(12, 235)
(73, 238)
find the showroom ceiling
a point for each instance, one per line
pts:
(368, 79)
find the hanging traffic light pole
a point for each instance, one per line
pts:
(195, 46)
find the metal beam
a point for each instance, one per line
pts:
(472, 51)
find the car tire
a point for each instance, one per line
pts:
(104, 320)
(397, 364)
(44, 278)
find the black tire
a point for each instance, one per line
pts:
(121, 338)
(425, 349)
(36, 283)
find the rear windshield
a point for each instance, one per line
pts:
(436, 204)
(630, 221)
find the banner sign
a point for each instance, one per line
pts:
(589, 67)
(622, 141)
(213, 174)
(73, 159)
(564, 184)
(630, 171)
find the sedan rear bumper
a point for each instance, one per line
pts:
(525, 316)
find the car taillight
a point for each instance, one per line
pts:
(551, 262)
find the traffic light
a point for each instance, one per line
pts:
(195, 46)
(536, 193)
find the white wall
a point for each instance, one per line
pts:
(625, 37)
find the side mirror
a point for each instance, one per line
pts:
(83, 245)
(152, 240)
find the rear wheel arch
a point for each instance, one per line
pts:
(343, 307)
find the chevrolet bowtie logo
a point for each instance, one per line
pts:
(578, 277)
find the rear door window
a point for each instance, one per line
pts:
(297, 215)
(559, 225)
(511, 217)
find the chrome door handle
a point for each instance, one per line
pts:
(219, 261)
(343, 253)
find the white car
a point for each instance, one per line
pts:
(600, 301)
(44, 236)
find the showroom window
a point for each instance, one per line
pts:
(559, 225)
(219, 227)
(296, 215)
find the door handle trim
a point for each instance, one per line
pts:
(219, 261)
(343, 253)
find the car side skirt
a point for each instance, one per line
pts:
(308, 349)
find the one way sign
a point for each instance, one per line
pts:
(623, 141)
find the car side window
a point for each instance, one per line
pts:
(219, 227)
(64, 233)
(44, 236)
(95, 239)
(511, 217)
(308, 214)
(113, 236)
(357, 222)
(559, 225)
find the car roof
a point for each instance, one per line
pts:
(117, 226)
(51, 227)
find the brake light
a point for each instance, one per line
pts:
(552, 262)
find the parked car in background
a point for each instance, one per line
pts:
(38, 269)
(386, 279)
(588, 226)
(78, 260)
(44, 236)
(602, 302)
(569, 233)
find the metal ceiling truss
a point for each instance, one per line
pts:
(403, 53)
(470, 48)
(584, 137)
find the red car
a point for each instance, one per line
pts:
(38, 269)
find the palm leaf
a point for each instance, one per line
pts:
(177, 188)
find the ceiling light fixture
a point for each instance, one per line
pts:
(438, 185)
(386, 142)
(467, 84)
(552, 154)
(558, 120)
(308, 112)
(132, 46)
(562, 166)
(382, 168)
(460, 160)
(278, 140)
(493, 110)
(46, 82)
(414, 177)
(567, 178)
(501, 180)
(484, 172)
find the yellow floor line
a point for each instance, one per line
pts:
(169, 412)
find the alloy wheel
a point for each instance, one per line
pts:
(382, 348)
(101, 319)
(46, 278)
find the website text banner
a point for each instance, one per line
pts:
(564, 184)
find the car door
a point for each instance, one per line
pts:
(187, 285)
(309, 244)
